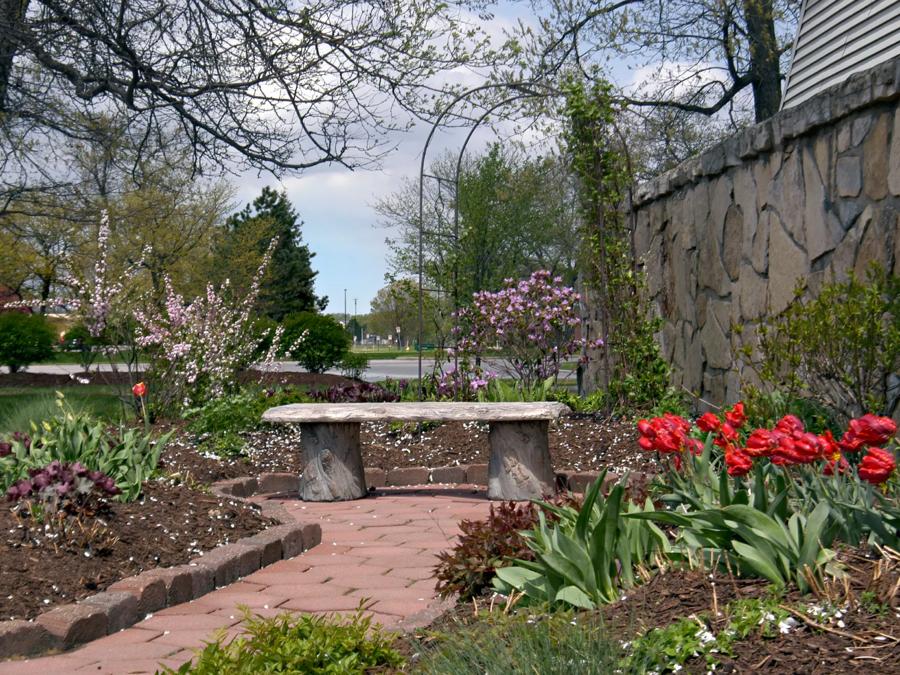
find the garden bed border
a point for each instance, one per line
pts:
(130, 600)
(463, 474)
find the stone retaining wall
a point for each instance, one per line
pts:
(808, 195)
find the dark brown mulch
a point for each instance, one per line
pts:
(26, 379)
(577, 443)
(846, 644)
(168, 526)
(863, 636)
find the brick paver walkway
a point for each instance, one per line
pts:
(380, 548)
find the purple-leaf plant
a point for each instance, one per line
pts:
(60, 503)
(533, 323)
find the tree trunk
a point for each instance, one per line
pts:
(332, 463)
(765, 70)
(12, 12)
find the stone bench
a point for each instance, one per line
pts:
(519, 466)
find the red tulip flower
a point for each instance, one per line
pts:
(736, 416)
(739, 462)
(868, 430)
(709, 422)
(139, 390)
(762, 443)
(877, 466)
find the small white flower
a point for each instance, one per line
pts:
(786, 625)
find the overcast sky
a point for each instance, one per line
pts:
(336, 204)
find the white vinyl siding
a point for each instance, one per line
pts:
(837, 38)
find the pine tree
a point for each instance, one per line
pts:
(288, 286)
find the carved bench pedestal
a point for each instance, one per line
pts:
(332, 463)
(519, 466)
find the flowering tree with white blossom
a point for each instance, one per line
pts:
(197, 348)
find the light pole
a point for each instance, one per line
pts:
(345, 308)
(399, 346)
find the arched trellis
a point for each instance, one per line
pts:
(521, 95)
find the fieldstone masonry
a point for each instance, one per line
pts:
(806, 196)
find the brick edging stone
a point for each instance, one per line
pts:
(130, 600)
(464, 474)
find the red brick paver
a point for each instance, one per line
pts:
(380, 549)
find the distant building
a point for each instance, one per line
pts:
(836, 38)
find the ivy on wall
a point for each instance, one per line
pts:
(632, 371)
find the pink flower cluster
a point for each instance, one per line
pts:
(198, 347)
(463, 383)
(532, 322)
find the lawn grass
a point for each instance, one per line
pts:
(74, 358)
(19, 406)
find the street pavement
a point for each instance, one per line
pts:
(404, 368)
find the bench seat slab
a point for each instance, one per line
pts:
(519, 466)
(332, 463)
(437, 411)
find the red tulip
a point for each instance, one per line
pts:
(789, 424)
(139, 390)
(836, 464)
(877, 466)
(739, 462)
(868, 430)
(709, 422)
(736, 416)
(762, 443)
(663, 434)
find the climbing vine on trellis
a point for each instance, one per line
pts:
(633, 370)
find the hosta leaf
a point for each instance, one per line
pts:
(575, 596)
(758, 561)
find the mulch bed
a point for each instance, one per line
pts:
(170, 525)
(864, 636)
(577, 443)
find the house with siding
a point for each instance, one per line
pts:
(837, 38)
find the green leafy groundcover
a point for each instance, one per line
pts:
(560, 643)
(298, 644)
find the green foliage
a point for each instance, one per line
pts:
(669, 648)
(860, 512)
(593, 402)
(232, 413)
(325, 343)
(291, 643)
(354, 364)
(764, 409)
(504, 391)
(288, 285)
(635, 372)
(24, 339)
(588, 555)
(755, 543)
(484, 546)
(515, 216)
(560, 643)
(839, 348)
(263, 329)
(222, 420)
(128, 456)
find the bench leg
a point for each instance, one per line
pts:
(332, 463)
(519, 467)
